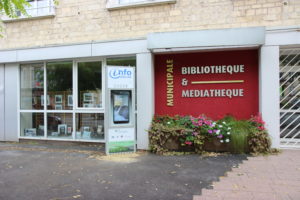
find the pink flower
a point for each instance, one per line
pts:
(188, 142)
(210, 131)
(195, 133)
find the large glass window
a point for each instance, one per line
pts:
(47, 107)
(32, 124)
(32, 86)
(90, 126)
(59, 86)
(89, 85)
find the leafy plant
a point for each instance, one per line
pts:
(161, 132)
(192, 133)
(10, 7)
(259, 140)
(239, 136)
(177, 129)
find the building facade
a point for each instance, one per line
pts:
(54, 66)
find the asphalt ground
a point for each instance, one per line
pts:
(62, 172)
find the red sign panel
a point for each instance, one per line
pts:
(210, 83)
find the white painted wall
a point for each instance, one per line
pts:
(2, 103)
(269, 91)
(145, 98)
(283, 36)
(11, 102)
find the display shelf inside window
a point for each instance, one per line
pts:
(90, 99)
(60, 100)
(59, 125)
(90, 126)
(32, 124)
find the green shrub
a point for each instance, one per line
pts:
(160, 133)
(239, 136)
(189, 133)
(259, 140)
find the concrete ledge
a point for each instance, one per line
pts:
(207, 38)
(85, 50)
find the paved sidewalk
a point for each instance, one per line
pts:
(275, 177)
(67, 172)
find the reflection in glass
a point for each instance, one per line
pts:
(59, 125)
(89, 85)
(124, 62)
(32, 86)
(32, 124)
(59, 85)
(90, 126)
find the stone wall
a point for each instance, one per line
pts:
(79, 21)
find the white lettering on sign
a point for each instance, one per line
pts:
(213, 93)
(220, 69)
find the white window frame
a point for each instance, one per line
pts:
(118, 4)
(35, 9)
(75, 109)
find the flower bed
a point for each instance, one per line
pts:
(187, 133)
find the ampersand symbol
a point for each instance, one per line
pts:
(184, 82)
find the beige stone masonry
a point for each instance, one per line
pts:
(79, 21)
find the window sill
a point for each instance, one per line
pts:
(138, 4)
(7, 19)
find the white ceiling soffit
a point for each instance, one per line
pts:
(254, 36)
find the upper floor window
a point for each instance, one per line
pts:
(116, 4)
(37, 8)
